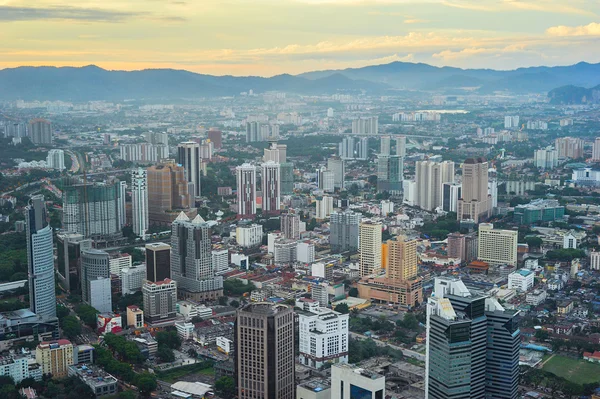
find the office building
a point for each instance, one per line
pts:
(246, 190)
(135, 317)
(497, 247)
(158, 261)
(216, 137)
(40, 259)
(323, 337)
(472, 345)
(139, 201)
(346, 148)
(451, 192)
(286, 171)
(369, 247)
(220, 260)
(132, 278)
(55, 357)
(99, 381)
(168, 193)
(271, 187)
(189, 158)
(369, 126)
(95, 210)
(324, 207)
(390, 173)
(349, 382)
(290, 225)
(521, 280)
(160, 299)
(264, 352)
(285, 251)
(40, 131)
(68, 251)
(94, 263)
(545, 158)
(429, 178)
(475, 203)
(56, 159)
(338, 166)
(191, 260)
(119, 261)
(385, 145)
(344, 231)
(249, 235)
(305, 252)
(100, 294)
(362, 149)
(401, 146)
(569, 147)
(540, 210)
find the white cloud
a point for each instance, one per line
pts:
(592, 29)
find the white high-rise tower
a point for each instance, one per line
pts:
(139, 201)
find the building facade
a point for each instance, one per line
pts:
(94, 263)
(497, 247)
(369, 247)
(158, 261)
(139, 202)
(323, 337)
(189, 157)
(160, 299)
(246, 190)
(344, 231)
(475, 203)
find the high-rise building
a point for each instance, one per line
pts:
(451, 192)
(143, 152)
(68, 251)
(158, 138)
(368, 125)
(271, 187)
(475, 203)
(94, 210)
(100, 294)
(346, 148)
(497, 247)
(390, 173)
(191, 260)
(40, 259)
(220, 260)
(132, 279)
(275, 152)
(385, 145)
(324, 207)
(249, 235)
(327, 329)
(344, 231)
(253, 132)
(158, 261)
(40, 131)
(429, 178)
(362, 149)
(139, 201)
(160, 300)
(287, 178)
(350, 382)
(216, 137)
(569, 147)
(325, 180)
(338, 167)
(472, 345)
(246, 190)
(511, 121)
(189, 158)
(456, 246)
(55, 357)
(369, 247)
(401, 146)
(264, 353)
(56, 159)
(545, 158)
(167, 192)
(596, 150)
(290, 226)
(94, 263)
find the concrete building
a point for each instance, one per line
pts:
(40, 131)
(246, 190)
(56, 159)
(189, 157)
(368, 125)
(271, 188)
(337, 165)
(168, 192)
(55, 357)
(497, 247)
(305, 252)
(191, 260)
(220, 260)
(100, 294)
(265, 332)
(401, 146)
(594, 260)
(216, 137)
(285, 251)
(346, 148)
(390, 173)
(540, 210)
(569, 147)
(362, 149)
(596, 150)
(545, 158)
(429, 178)
(451, 192)
(135, 317)
(369, 248)
(99, 381)
(249, 235)
(14, 367)
(475, 203)
(324, 207)
(323, 337)
(94, 263)
(132, 279)
(521, 280)
(349, 382)
(40, 259)
(118, 262)
(158, 261)
(160, 298)
(290, 225)
(139, 202)
(344, 231)
(385, 145)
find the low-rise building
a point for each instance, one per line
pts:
(353, 382)
(184, 329)
(135, 317)
(14, 367)
(564, 307)
(536, 297)
(101, 383)
(521, 280)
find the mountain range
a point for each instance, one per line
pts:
(94, 83)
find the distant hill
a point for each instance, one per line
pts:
(574, 95)
(94, 83)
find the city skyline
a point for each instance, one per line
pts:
(298, 36)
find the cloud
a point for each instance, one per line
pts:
(548, 6)
(592, 29)
(8, 13)
(415, 21)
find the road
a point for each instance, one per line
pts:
(406, 352)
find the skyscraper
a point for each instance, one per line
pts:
(167, 192)
(40, 259)
(429, 178)
(68, 251)
(401, 146)
(290, 226)
(569, 147)
(475, 204)
(346, 148)
(338, 167)
(390, 173)
(324, 207)
(368, 125)
(139, 201)
(246, 190)
(287, 178)
(158, 261)
(275, 152)
(56, 159)
(344, 226)
(40, 131)
(497, 247)
(547, 158)
(451, 192)
(362, 150)
(472, 345)
(264, 353)
(191, 260)
(160, 299)
(189, 158)
(385, 145)
(94, 263)
(253, 132)
(216, 137)
(271, 187)
(369, 248)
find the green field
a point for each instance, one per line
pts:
(176, 373)
(578, 371)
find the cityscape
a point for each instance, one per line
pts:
(394, 230)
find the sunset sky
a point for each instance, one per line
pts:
(269, 37)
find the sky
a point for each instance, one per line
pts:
(270, 37)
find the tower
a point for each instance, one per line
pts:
(475, 203)
(246, 190)
(401, 146)
(139, 201)
(385, 145)
(189, 158)
(290, 226)
(344, 231)
(167, 191)
(370, 248)
(271, 187)
(158, 261)
(429, 177)
(94, 264)
(40, 131)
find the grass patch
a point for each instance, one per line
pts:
(578, 371)
(175, 374)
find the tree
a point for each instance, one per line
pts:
(541, 335)
(342, 308)
(169, 339)
(196, 319)
(234, 304)
(192, 352)
(165, 354)
(225, 386)
(62, 311)
(534, 242)
(71, 326)
(353, 292)
(223, 301)
(146, 383)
